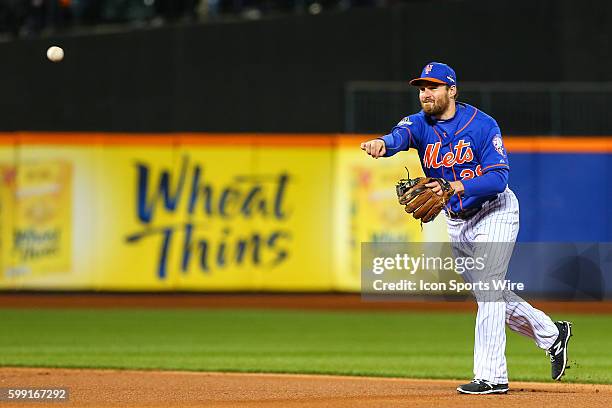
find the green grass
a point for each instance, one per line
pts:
(437, 345)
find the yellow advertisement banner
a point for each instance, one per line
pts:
(367, 209)
(195, 212)
(167, 213)
(203, 217)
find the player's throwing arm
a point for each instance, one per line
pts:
(375, 148)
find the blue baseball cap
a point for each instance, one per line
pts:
(436, 72)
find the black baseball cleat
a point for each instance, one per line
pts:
(558, 351)
(482, 387)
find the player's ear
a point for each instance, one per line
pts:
(452, 92)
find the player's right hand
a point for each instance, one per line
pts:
(375, 148)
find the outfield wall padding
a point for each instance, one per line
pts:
(248, 212)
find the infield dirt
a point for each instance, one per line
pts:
(114, 388)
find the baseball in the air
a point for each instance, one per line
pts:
(55, 54)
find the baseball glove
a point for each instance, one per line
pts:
(421, 201)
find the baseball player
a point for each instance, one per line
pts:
(463, 145)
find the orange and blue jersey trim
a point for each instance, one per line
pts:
(495, 165)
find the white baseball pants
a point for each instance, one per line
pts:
(494, 230)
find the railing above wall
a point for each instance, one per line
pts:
(520, 108)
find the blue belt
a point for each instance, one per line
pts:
(468, 213)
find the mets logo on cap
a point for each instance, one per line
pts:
(436, 72)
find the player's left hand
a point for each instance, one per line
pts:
(418, 197)
(436, 188)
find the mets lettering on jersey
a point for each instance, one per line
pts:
(467, 146)
(458, 155)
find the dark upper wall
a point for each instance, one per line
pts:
(288, 74)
